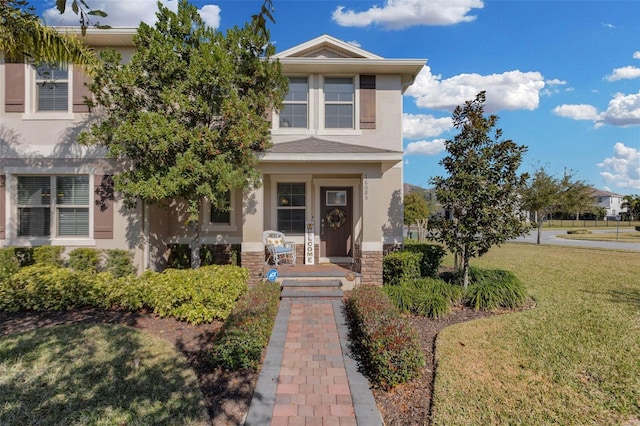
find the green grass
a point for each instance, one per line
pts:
(573, 359)
(87, 375)
(612, 235)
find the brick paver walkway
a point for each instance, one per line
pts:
(307, 377)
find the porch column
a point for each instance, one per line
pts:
(374, 212)
(252, 247)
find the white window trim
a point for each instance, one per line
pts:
(31, 101)
(12, 209)
(308, 212)
(315, 110)
(208, 226)
(355, 131)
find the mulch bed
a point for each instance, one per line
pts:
(228, 394)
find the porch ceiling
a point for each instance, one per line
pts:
(315, 149)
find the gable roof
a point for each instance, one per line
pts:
(325, 45)
(326, 54)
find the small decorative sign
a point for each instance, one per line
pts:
(272, 275)
(309, 246)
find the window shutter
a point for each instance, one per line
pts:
(14, 87)
(103, 209)
(2, 207)
(367, 101)
(80, 90)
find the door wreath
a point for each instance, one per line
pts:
(336, 218)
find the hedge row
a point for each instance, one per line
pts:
(416, 260)
(247, 330)
(196, 296)
(118, 262)
(386, 345)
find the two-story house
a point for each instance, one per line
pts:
(609, 201)
(335, 166)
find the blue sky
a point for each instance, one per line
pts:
(563, 76)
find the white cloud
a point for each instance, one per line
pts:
(416, 126)
(636, 55)
(627, 72)
(623, 169)
(510, 90)
(577, 112)
(608, 25)
(128, 13)
(555, 82)
(354, 43)
(425, 147)
(397, 14)
(623, 111)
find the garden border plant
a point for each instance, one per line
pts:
(384, 343)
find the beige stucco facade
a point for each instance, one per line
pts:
(363, 160)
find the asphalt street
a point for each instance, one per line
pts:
(551, 237)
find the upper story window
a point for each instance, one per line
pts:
(338, 103)
(52, 88)
(296, 104)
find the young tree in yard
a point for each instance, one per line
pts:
(542, 196)
(186, 115)
(416, 210)
(483, 185)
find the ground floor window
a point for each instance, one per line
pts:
(67, 197)
(291, 207)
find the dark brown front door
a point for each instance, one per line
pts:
(336, 224)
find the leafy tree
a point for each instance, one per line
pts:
(632, 204)
(416, 210)
(544, 195)
(23, 36)
(483, 185)
(577, 196)
(186, 115)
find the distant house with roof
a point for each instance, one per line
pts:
(609, 201)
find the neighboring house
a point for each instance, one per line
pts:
(336, 164)
(611, 202)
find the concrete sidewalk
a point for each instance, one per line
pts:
(307, 377)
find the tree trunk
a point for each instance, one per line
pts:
(422, 229)
(539, 232)
(466, 270)
(195, 246)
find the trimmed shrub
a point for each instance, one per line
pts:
(9, 263)
(400, 266)
(119, 262)
(48, 255)
(384, 342)
(84, 259)
(578, 231)
(25, 256)
(491, 289)
(109, 292)
(247, 330)
(195, 295)
(45, 287)
(432, 255)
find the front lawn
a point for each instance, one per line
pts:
(96, 374)
(573, 359)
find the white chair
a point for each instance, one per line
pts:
(279, 247)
